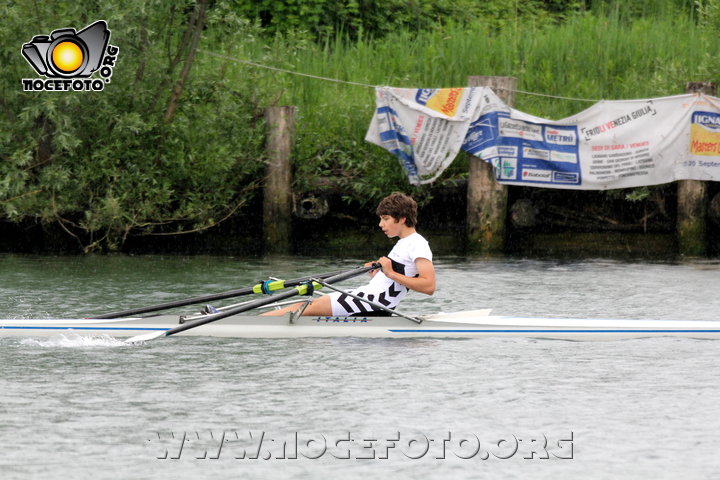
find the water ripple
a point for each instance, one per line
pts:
(77, 408)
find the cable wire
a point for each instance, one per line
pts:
(359, 84)
(259, 65)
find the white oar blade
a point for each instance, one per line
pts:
(145, 337)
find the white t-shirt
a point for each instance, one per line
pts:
(381, 289)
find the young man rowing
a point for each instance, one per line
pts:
(407, 267)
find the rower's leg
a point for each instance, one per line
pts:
(318, 308)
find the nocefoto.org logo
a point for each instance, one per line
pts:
(67, 59)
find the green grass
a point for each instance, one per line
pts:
(587, 56)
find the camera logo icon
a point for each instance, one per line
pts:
(67, 54)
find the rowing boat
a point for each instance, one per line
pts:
(475, 323)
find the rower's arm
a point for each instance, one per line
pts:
(423, 283)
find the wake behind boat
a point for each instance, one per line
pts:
(467, 324)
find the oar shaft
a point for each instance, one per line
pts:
(299, 290)
(274, 285)
(248, 306)
(176, 303)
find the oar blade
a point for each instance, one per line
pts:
(144, 337)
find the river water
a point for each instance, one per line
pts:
(361, 408)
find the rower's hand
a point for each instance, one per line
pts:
(373, 271)
(386, 265)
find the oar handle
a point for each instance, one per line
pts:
(352, 273)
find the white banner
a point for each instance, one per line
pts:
(424, 128)
(613, 144)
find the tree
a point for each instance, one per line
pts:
(106, 165)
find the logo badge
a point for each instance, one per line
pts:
(68, 59)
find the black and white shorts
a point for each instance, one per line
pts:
(344, 305)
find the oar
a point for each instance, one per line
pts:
(264, 287)
(302, 289)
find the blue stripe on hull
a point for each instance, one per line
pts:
(410, 330)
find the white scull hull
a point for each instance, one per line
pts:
(476, 323)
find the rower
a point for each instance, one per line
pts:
(407, 267)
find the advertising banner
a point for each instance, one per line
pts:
(424, 128)
(612, 144)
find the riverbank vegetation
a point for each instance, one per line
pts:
(174, 143)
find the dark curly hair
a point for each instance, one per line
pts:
(399, 205)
